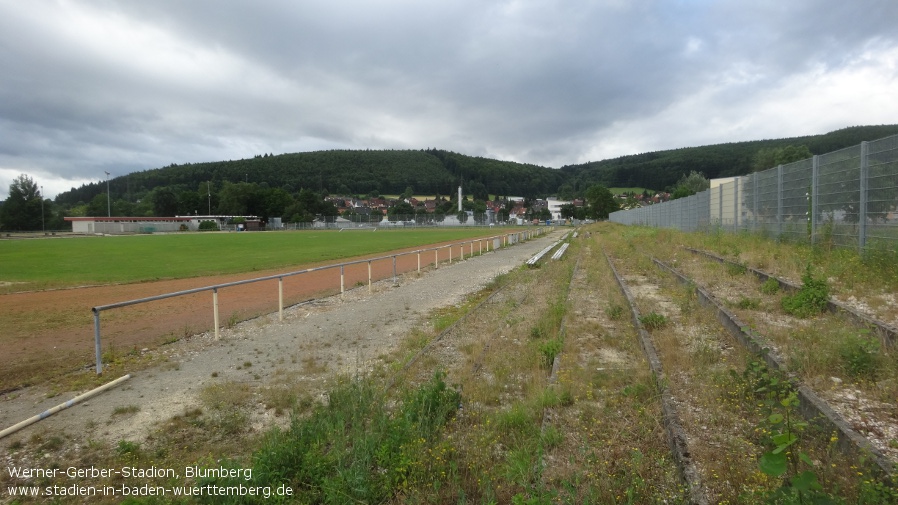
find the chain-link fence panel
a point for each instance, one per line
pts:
(881, 230)
(837, 209)
(845, 198)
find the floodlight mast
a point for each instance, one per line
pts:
(108, 199)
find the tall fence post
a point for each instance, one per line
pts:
(720, 206)
(754, 211)
(862, 207)
(370, 288)
(97, 345)
(815, 164)
(342, 280)
(779, 200)
(736, 204)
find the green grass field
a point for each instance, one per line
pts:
(76, 261)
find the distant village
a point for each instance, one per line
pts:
(515, 206)
(374, 211)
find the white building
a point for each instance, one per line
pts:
(554, 206)
(137, 224)
(116, 225)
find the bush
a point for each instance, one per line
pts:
(860, 356)
(208, 226)
(770, 287)
(810, 300)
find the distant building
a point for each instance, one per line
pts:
(117, 225)
(554, 206)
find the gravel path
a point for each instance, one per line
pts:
(315, 342)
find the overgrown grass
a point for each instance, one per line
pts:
(731, 432)
(356, 448)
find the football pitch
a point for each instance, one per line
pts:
(64, 262)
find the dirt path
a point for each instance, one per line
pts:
(316, 341)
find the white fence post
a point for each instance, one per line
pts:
(97, 341)
(281, 299)
(215, 312)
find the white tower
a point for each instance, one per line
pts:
(459, 198)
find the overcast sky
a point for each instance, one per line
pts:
(121, 86)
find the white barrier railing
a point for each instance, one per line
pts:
(507, 239)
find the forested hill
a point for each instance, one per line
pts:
(434, 171)
(662, 169)
(429, 171)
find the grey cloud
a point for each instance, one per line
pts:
(538, 82)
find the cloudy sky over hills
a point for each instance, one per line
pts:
(95, 86)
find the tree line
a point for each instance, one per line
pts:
(293, 186)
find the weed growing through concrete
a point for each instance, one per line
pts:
(770, 287)
(810, 300)
(614, 311)
(653, 321)
(125, 409)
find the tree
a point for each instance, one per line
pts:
(238, 199)
(191, 202)
(770, 157)
(400, 210)
(275, 202)
(22, 209)
(568, 211)
(97, 205)
(503, 215)
(690, 184)
(566, 192)
(165, 202)
(600, 202)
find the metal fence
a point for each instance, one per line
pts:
(845, 198)
(425, 257)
